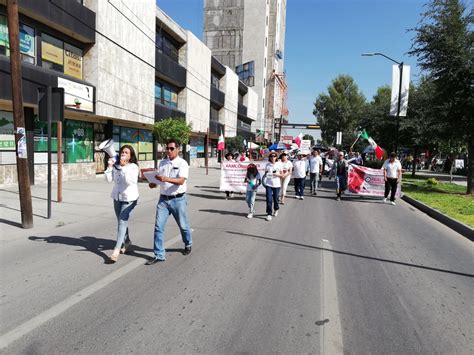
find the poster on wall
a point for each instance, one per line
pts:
(145, 144)
(129, 136)
(27, 40)
(7, 133)
(79, 141)
(77, 96)
(40, 141)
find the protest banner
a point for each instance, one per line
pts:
(367, 182)
(233, 175)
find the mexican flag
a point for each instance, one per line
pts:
(298, 139)
(220, 142)
(379, 152)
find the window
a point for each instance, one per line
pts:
(215, 80)
(167, 45)
(214, 114)
(165, 94)
(60, 56)
(241, 99)
(27, 41)
(141, 141)
(246, 73)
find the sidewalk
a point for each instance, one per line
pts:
(457, 179)
(82, 199)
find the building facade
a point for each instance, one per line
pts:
(249, 36)
(123, 66)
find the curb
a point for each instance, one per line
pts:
(459, 227)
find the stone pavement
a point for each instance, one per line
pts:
(82, 199)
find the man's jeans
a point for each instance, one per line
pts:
(122, 212)
(299, 186)
(341, 184)
(272, 195)
(313, 181)
(166, 207)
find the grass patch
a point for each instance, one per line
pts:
(448, 198)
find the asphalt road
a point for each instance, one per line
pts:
(354, 276)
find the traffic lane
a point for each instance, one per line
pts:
(236, 292)
(403, 278)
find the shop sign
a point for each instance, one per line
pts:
(7, 131)
(27, 40)
(52, 53)
(77, 96)
(72, 63)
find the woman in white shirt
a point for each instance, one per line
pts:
(272, 185)
(286, 169)
(124, 174)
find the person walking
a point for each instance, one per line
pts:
(392, 172)
(243, 158)
(340, 168)
(300, 169)
(286, 170)
(229, 159)
(173, 174)
(124, 194)
(272, 185)
(253, 181)
(315, 170)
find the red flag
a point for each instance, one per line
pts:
(220, 142)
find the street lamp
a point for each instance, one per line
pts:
(400, 68)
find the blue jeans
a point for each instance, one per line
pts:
(122, 211)
(166, 207)
(250, 198)
(299, 186)
(341, 184)
(272, 195)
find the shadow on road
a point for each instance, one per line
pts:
(240, 214)
(351, 254)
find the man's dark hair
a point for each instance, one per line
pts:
(393, 155)
(176, 143)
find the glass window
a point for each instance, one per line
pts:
(214, 114)
(7, 131)
(167, 45)
(52, 53)
(79, 141)
(215, 80)
(27, 41)
(158, 92)
(145, 145)
(166, 94)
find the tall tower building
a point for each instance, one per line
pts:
(249, 35)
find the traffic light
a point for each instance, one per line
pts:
(313, 126)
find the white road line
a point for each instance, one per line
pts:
(23, 329)
(331, 334)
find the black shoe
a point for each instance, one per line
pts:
(187, 250)
(154, 261)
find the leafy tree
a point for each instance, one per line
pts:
(443, 45)
(309, 137)
(172, 128)
(340, 110)
(234, 144)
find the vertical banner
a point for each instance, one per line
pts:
(339, 138)
(396, 88)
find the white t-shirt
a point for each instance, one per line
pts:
(286, 166)
(315, 164)
(392, 168)
(270, 169)
(299, 169)
(176, 168)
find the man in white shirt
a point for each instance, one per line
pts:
(315, 168)
(299, 172)
(173, 174)
(392, 171)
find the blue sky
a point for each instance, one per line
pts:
(324, 38)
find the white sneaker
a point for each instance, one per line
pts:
(384, 200)
(250, 215)
(275, 213)
(269, 218)
(301, 197)
(392, 203)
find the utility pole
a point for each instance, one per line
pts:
(26, 206)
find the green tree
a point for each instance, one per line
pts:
(309, 137)
(234, 144)
(340, 110)
(443, 45)
(172, 128)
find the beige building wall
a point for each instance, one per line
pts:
(230, 85)
(124, 78)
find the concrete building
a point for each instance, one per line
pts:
(124, 66)
(249, 36)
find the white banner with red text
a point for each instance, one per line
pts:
(367, 182)
(233, 175)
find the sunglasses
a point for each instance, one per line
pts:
(273, 156)
(170, 148)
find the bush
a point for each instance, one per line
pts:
(432, 182)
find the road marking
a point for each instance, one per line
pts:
(23, 329)
(331, 334)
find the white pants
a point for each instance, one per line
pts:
(284, 184)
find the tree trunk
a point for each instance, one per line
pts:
(413, 168)
(470, 166)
